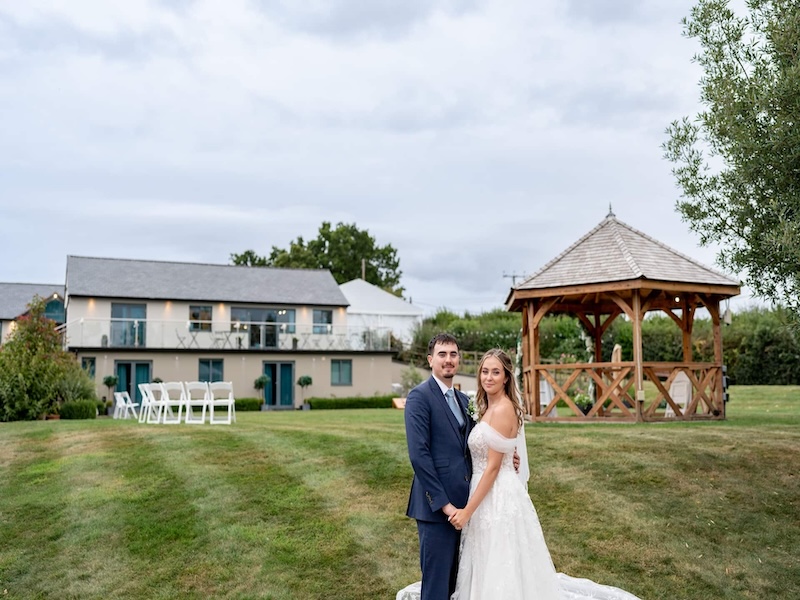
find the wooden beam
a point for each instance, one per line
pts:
(624, 306)
(637, 353)
(630, 284)
(686, 329)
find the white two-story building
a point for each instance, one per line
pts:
(142, 320)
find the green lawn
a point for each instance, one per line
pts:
(310, 504)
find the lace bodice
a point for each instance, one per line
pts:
(484, 437)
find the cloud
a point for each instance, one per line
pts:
(477, 138)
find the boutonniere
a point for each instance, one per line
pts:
(472, 409)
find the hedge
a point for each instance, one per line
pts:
(78, 409)
(248, 404)
(353, 402)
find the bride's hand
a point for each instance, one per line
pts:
(459, 519)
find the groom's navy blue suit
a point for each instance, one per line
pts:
(437, 447)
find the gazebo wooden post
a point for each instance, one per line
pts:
(598, 339)
(530, 356)
(637, 352)
(533, 327)
(716, 325)
(598, 350)
(687, 324)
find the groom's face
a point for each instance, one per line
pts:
(444, 361)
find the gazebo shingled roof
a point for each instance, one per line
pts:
(615, 251)
(616, 269)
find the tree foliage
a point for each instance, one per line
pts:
(759, 346)
(738, 162)
(249, 258)
(35, 372)
(339, 249)
(475, 333)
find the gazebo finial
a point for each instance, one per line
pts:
(610, 212)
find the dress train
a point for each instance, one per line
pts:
(503, 550)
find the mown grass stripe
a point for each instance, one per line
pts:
(310, 504)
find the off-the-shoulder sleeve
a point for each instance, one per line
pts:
(497, 441)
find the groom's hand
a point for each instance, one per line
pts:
(448, 509)
(516, 461)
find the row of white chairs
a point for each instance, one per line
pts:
(176, 402)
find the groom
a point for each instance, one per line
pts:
(437, 428)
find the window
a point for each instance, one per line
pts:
(54, 310)
(210, 369)
(258, 324)
(323, 321)
(286, 315)
(200, 318)
(342, 372)
(128, 324)
(88, 365)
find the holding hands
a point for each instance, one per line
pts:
(459, 518)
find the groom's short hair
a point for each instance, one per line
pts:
(442, 338)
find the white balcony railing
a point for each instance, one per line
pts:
(137, 334)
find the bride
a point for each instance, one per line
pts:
(503, 552)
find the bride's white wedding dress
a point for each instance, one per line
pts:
(503, 551)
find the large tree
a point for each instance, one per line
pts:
(340, 249)
(738, 161)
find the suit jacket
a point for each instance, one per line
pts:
(438, 452)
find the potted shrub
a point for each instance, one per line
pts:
(110, 381)
(260, 383)
(304, 381)
(583, 401)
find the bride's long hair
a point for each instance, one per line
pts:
(510, 387)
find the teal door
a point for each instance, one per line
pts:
(279, 389)
(129, 375)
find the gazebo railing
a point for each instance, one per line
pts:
(610, 389)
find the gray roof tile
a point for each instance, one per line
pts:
(157, 280)
(615, 251)
(15, 297)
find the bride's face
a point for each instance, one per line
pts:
(493, 376)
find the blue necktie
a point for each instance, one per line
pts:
(451, 401)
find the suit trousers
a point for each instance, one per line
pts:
(438, 557)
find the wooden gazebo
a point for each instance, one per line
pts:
(617, 270)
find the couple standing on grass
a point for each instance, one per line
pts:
(479, 535)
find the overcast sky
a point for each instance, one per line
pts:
(478, 138)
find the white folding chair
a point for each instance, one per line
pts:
(196, 397)
(152, 403)
(123, 405)
(221, 395)
(144, 407)
(680, 390)
(119, 406)
(173, 395)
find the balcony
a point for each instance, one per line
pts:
(140, 334)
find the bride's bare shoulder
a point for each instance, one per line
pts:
(505, 421)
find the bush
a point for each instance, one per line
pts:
(77, 385)
(354, 402)
(248, 404)
(33, 365)
(410, 378)
(79, 409)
